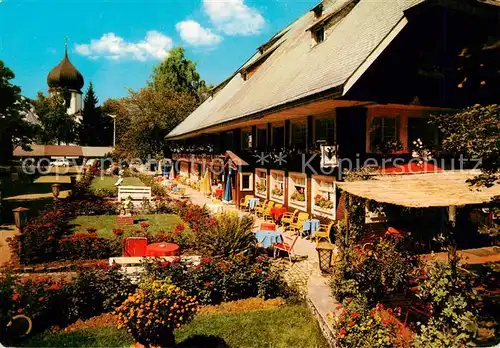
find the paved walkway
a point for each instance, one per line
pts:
(303, 274)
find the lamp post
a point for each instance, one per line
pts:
(114, 129)
(325, 252)
(20, 218)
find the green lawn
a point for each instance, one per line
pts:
(106, 223)
(108, 182)
(286, 326)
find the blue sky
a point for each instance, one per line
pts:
(115, 43)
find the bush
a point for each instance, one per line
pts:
(153, 312)
(86, 246)
(358, 326)
(376, 272)
(220, 280)
(48, 301)
(453, 302)
(227, 235)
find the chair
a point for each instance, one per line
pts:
(286, 246)
(288, 218)
(267, 211)
(261, 211)
(260, 207)
(267, 227)
(244, 203)
(299, 224)
(323, 232)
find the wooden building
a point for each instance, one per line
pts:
(347, 81)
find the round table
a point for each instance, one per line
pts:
(268, 238)
(162, 249)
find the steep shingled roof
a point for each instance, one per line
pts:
(296, 70)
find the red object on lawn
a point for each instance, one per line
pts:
(163, 249)
(412, 167)
(135, 246)
(267, 227)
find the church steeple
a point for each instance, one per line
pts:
(65, 75)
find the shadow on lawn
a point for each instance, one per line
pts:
(202, 341)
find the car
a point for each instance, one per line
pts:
(60, 162)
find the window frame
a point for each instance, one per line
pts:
(334, 130)
(258, 179)
(382, 127)
(316, 188)
(303, 125)
(250, 181)
(249, 139)
(293, 177)
(280, 184)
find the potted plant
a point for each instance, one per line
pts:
(277, 192)
(322, 202)
(152, 313)
(261, 188)
(298, 195)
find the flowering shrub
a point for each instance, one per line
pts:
(217, 280)
(153, 312)
(39, 240)
(197, 217)
(356, 326)
(181, 236)
(49, 301)
(382, 270)
(453, 307)
(80, 246)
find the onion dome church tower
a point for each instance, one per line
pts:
(65, 78)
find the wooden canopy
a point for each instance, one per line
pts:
(443, 189)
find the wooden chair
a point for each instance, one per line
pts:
(288, 218)
(323, 232)
(299, 224)
(260, 207)
(262, 212)
(286, 246)
(244, 203)
(267, 213)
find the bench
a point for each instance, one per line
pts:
(136, 193)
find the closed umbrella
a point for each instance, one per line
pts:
(171, 176)
(206, 187)
(228, 195)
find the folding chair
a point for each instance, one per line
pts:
(287, 246)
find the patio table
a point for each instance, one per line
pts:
(162, 249)
(268, 238)
(277, 213)
(311, 226)
(252, 202)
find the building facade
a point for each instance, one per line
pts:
(349, 82)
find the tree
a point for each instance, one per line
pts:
(57, 125)
(147, 116)
(474, 133)
(95, 128)
(14, 129)
(179, 74)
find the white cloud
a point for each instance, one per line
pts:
(233, 17)
(194, 34)
(154, 46)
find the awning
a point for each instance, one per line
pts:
(423, 190)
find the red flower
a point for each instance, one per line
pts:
(386, 321)
(144, 224)
(258, 270)
(351, 323)
(20, 310)
(355, 315)
(342, 332)
(118, 232)
(16, 296)
(41, 299)
(55, 286)
(207, 284)
(206, 260)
